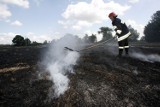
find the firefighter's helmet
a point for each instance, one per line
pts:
(112, 14)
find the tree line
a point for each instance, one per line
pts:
(19, 40)
(151, 34)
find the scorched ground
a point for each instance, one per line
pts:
(100, 79)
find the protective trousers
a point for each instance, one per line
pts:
(123, 45)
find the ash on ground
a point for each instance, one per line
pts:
(99, 79)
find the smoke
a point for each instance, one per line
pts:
(149, 58)
(59, 62)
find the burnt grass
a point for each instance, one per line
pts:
(100, 80)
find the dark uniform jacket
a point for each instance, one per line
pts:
(120, 28)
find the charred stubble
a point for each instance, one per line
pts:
(99, 80)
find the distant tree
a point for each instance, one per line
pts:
(18, 40)
(45, 42)
(106, 32)
(152, 29)
(134, 34)
(86, 38)
(92, 38)
(34, 43)
(27, 42)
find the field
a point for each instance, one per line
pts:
(100, 79)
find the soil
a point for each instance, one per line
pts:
(100, 80)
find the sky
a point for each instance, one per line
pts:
(41, 20)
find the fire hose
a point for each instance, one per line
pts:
(92, 46)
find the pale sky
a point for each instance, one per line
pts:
(41, 20)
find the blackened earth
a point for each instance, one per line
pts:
(100, 80)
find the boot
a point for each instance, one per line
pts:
(127, 50)
(120, 52)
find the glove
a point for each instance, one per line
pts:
(119, 31)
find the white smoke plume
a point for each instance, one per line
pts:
(148, 58)
(59, 62)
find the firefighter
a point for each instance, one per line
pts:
(122, 33)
